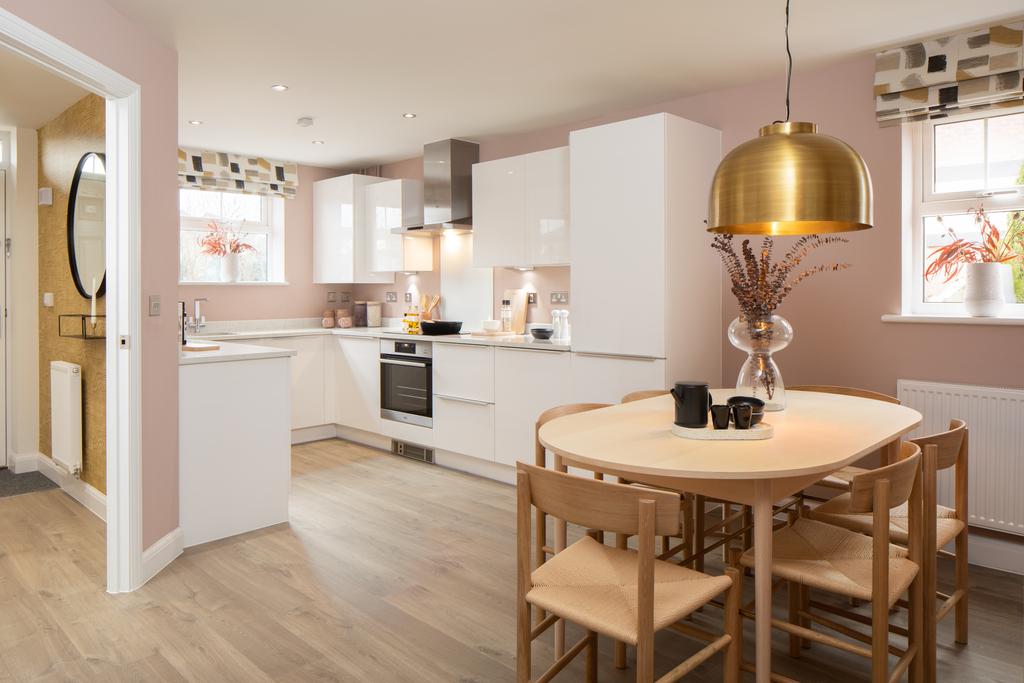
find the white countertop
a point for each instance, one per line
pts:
(231, 352)
(512, 341)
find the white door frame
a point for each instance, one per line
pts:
(123, 128)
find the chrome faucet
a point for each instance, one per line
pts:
(198, 322)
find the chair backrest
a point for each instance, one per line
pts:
(641, 395)
(901, 476)
(597, 504)
(845, 391)
(951, 443)
(539, 452)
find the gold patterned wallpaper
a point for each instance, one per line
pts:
(62, 142)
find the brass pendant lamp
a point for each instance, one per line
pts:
(790, 180)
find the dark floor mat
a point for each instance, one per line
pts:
(12, 484)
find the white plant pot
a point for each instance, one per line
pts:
(987, 288)
(229, 268)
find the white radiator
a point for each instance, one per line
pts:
(66, 415)
(995, 420)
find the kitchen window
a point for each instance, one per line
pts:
(255, 220)
(958, 165)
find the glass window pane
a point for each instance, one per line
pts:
(960, 156)
(195, 266)
(1006, 151)
(963, 225)
(199, 203)
(242, 207)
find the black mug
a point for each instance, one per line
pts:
(742, 414)
(720, 416)
(693, 401)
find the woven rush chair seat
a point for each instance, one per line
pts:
(840, 479)
(837, 512)
(595, 586)
(834, 559)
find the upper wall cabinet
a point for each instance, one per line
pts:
(340, 231)
(521, 210)
(391, 205)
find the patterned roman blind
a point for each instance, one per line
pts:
(969, 71)
(225, 172)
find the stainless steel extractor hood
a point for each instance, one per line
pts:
(447, 187)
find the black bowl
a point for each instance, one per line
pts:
(438, 327)
(541, 332)
(756, 403)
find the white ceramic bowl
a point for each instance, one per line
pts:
(492, 325)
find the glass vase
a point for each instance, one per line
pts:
(759, 376)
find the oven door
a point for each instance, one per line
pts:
(406, 389)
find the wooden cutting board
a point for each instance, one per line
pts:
(196, 347)
(518, 298)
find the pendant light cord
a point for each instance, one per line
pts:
(789, 69)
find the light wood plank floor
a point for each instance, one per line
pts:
(389, 571)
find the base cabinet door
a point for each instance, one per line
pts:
(526, 383)
(357, 382)
(464, 426)
(606, 379)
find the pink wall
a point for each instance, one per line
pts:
(300, 298)
(839, 337)
(96, 29)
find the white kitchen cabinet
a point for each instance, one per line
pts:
(526, 383)
(606, 379)
(499, 212)
(390, 205)
(464, 371)
(640, 250)
(464, 426)
(356, 382)
(307, 378)
(341, 233)
(521, 210)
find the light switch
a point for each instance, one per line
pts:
(48, 299)
(45, 196)
(154, 305)
(531, 297)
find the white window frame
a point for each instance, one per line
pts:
(272, 225)
(921, 201)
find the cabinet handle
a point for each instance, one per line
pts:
(464, 400)
(593, 354)
(388, 361)
(518, 350)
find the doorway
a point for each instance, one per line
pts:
(123, 509)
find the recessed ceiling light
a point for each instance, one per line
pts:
(278, 87)
(318, 142)
(304, 121)
(195, 122)
(408, 115)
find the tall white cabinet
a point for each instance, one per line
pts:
(646, 286)
(341, 233)
(521, 210)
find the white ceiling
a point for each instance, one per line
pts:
(31, 95)
(471, 68)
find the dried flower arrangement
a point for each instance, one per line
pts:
(993, 247)
(221, 241)
(760, 284)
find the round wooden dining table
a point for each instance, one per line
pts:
(814, 436)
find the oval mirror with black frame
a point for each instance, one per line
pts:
(87, 225)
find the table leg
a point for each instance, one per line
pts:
(763, 580)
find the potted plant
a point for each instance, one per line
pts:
(987, 263)
(759, 284)
(226, 243)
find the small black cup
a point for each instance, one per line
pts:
(720, 416)
(742, 414)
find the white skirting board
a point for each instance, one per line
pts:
(162, 553)
(307, 434)
(93, 501)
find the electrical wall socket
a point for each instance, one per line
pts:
(560, 297)
(408, 297)
(531, 297)
(346, 297)
(391, 297)
(332, 297)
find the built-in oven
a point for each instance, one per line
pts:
(406, 382)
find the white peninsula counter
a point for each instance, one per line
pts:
(234, 440)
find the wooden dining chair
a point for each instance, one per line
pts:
(627, 595)
(950, 525)
(813, 554)
(841, 478)
(642, 395)
(541, 546)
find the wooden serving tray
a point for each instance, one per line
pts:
(761, 430)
